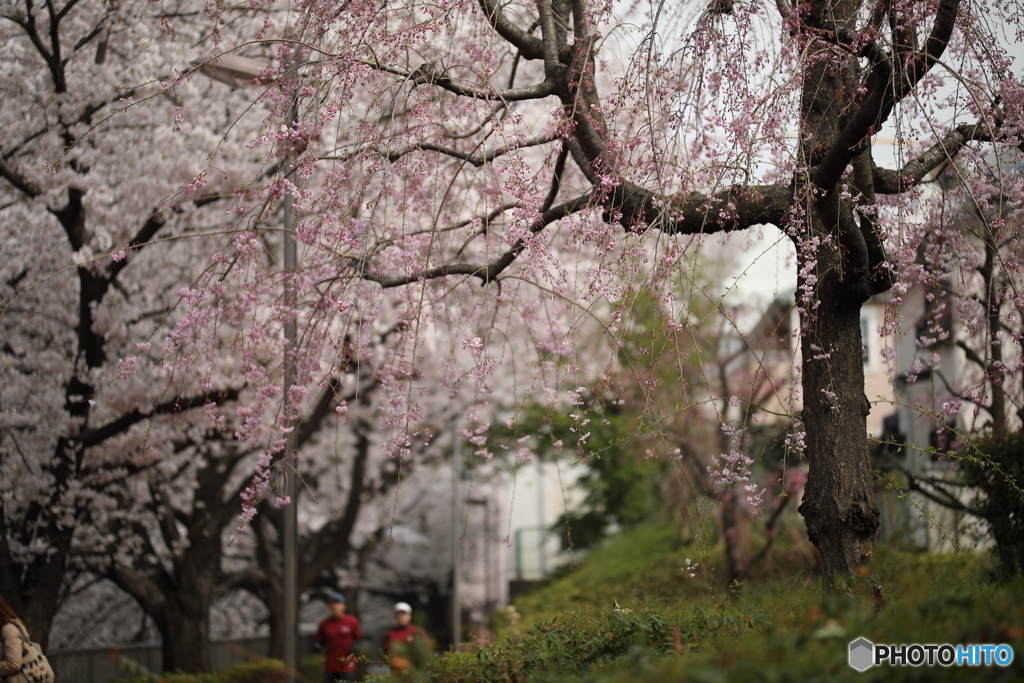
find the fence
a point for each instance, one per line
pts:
(99, 665)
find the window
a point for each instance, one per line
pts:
(869, 338)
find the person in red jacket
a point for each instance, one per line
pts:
(405, 644)
(336, 634)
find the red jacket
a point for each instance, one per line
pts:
(337, 635)
(403, 634)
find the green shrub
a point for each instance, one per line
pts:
(996, 466)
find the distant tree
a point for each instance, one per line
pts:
(968, 274)
(101, 235)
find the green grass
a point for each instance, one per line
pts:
(669, 627)
(639, 565)
(644, 566)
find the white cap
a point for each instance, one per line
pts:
(403, 607)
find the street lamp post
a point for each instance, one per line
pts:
(239, 71)
(456, 555)
(290, 536)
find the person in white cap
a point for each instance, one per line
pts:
(406, 643)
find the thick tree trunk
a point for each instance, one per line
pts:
(275, 607)
(36, 599)
(839, 500)
(186, 608)
(33, 590)
(834, 264)
(186, 634)
(179, 603)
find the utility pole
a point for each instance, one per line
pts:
(239, 71)
(290, 533)
(290, 536)
(456, 555)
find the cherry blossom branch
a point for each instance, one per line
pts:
(476, 161)
(97, 436)
(28, 24)
(485, 219)
(426, 74)
(146, 232)
(487, 272)
(935, 46)
(26, 186)
(556, 178)
(529, 46)
(549, 39)
(737, 208)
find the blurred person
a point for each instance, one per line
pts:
(336, 634)
(13, 634)
(406, 644)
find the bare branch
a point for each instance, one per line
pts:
(894, 182)
(529, 46)
(19, 181)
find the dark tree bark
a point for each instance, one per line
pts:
(176, 584)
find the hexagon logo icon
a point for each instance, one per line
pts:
(862, 654)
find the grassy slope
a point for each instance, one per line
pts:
(669, 627)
